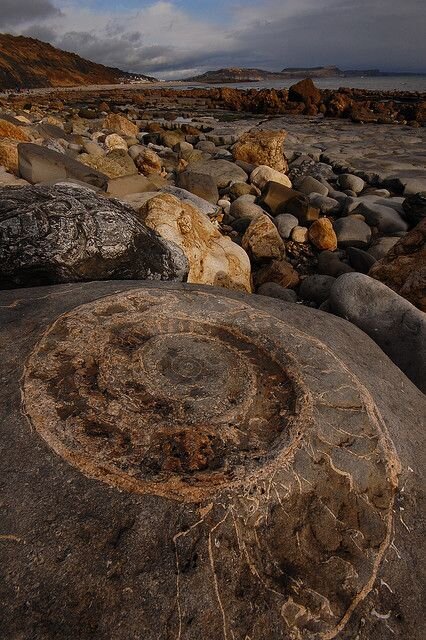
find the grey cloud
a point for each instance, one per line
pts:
(15, 12)
(368, 33)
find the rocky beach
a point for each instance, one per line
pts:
(213, 305)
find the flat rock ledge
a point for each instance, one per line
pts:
(184, 462)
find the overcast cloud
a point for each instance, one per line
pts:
(177, 38)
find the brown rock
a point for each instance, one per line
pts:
(213, 259)
(279, 198)
(114, 165)
(322, 235)
(262, 240)
(9, 155)
(279, 271)
(148, 162)
(121, 125)
(13, 132)
(304, 91)
(403, 269)
(262, 148)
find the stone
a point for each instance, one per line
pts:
(7, 178)
(114, 141)
(238, 189)
(316, 288)
(148, 162)
(279, 271)
(360, 260)
(380, 247)
(274, 290)
(304, 91)
(351, 182)
(322, 236)
(206, 145)
(390, 320)
(285, 224)
(13, 132)
(245, 207)
(171, 138)
(114, 165)
(330, 264)
(205, 206)
(70, 234)
(352, 232)
(326, 205)
(311, 185)
(200, 184)
(300, 234)
(153, 416)
(385, 218)
(260, 147)
(278, 199)
(183, 149)
(223, 172)
(262, 240)
(403, 268)
(125, 185)
(9, 158)
(38, 164)
(263, 174)
(93, 148)
(414, 208)
(121, 125)
(213, 259)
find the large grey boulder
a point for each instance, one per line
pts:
(178, 462)
(222, 172)
(68, 233)
(40, 164)
(393, 322)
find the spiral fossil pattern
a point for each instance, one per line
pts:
(204, 400)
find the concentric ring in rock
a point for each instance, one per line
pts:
(232, 469)
(155, 396)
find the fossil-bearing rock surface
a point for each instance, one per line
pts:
(188, 463)
(63, 234)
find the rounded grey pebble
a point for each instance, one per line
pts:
(352, 232)
(347, 181)
(286, 222)
(397, 326)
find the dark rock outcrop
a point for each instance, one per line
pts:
(403, 268)
(65, 234)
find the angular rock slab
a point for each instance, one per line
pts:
(190, 463)
(63, 233)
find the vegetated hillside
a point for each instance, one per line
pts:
(29, 63)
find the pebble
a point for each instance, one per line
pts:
(352, 232)
(316, 288)
(274, 290)
(285, 224)
(300, 234)
(398, 327)
(349, 181)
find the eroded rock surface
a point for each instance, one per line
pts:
(65, 234)
(213, 259)
(207, 464)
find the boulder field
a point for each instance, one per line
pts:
(212, 336)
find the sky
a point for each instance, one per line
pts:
(180, 38)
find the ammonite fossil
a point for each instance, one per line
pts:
(253, 467)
